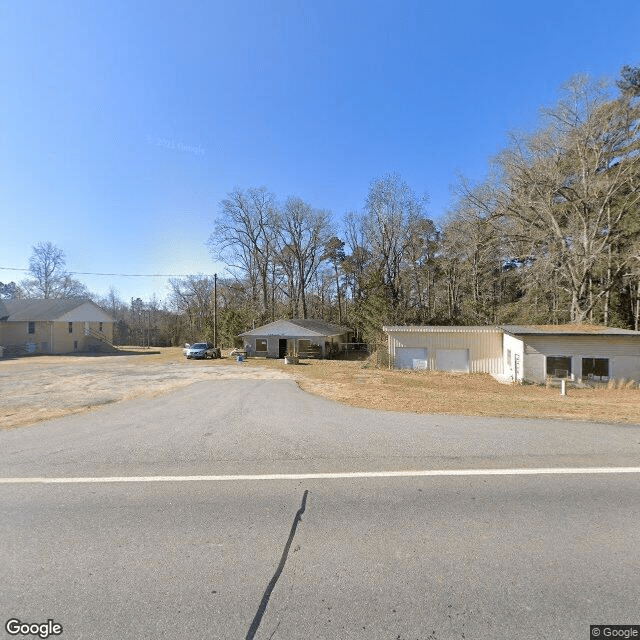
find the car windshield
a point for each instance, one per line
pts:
(199, 346)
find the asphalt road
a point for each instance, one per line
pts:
(399, 558)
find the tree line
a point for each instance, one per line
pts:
(552, 235)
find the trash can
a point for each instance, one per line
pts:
(240, 358)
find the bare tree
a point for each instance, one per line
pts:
(244, 239)
(193, 297)
(50, 279)
(334, 253)
(393, 217)
(10, 291)
(302, 234)
(567, 189)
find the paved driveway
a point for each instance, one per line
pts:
(326, 554)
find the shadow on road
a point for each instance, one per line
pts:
(272, 583)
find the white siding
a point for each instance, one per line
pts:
(623, 353)
(534, 367)
(513, 357)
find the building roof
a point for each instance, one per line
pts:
(521, 330)
(566, 329)
(298, 328)
(43, 309)
(441, 329)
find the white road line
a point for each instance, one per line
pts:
(331, 476)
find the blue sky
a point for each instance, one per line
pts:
(123, 123)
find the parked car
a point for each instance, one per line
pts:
(202, 350)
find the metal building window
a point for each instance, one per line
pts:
(71, 327)
(595, 367)
(559, 366)
(261, 345)
(32, 327)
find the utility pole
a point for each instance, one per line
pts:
(215, 310)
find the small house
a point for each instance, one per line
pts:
(307, 338)
(54, 325)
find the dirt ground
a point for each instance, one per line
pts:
(37, 388)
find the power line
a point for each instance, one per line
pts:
(120, 275)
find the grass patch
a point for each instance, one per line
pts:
(464, 394)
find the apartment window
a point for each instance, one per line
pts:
(71, 327)
(32, 327)
(559, 366)
(595, 367)
(261, 345)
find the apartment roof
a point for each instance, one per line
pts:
(42, 309)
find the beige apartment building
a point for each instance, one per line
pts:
(54, 326)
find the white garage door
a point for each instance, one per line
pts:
(454, 360)
(413, 358)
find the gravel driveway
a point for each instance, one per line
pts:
(43, 387)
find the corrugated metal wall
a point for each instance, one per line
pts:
(484, 344)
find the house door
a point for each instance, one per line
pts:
(282, 347)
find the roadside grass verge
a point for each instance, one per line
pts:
(465, 394)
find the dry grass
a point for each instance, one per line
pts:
(42, 387)
(474, 394)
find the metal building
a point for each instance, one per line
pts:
(456, 349)
(575, 352)
(531, 353)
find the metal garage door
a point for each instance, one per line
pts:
(414, 358)
(454, 360)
